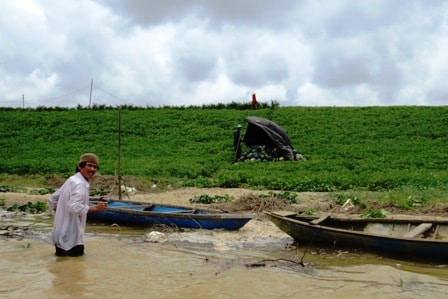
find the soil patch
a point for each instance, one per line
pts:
(243, 200)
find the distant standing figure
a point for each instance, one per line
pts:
(71, 203)
(254, 101)
(237, 141)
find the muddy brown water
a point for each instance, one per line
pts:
(255, 262)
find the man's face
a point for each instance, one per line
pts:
(89, 170)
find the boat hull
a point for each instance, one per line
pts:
(145, 215)
(431, 248)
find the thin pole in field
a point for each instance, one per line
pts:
(119, 153)
(90, 98)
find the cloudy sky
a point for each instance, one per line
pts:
(182, 53)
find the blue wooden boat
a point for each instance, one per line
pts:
(405, 237)
(148, 214)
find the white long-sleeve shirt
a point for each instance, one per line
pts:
(71, 202)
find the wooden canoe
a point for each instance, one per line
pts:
(148, 214)
(407, 237)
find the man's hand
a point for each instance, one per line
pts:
(101, 206)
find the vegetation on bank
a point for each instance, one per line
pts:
(346, 148)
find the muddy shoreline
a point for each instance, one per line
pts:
(317, 201)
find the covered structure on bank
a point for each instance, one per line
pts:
(269, 139)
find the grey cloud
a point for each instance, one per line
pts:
(157, 52)
(338, 70)
(336, 67)
(145, 13)
(254, 70)
(374, 44)
(194, 67)
(360, 17)
(152, 12)
(438, 96)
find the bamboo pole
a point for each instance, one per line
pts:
(90, 97)
(119, 153)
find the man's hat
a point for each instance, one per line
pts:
(239, 126)
(89, 157)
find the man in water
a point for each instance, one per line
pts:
(71, 203)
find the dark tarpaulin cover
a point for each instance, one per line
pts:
(261, 131)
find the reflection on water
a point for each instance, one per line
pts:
(68, 276)
(127, 267)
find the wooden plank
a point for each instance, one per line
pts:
(423, 227)
(436, 231)
(284, 213)
(320, 219)
(390, 218)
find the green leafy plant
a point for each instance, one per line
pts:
(342, 198)
(34, 208)
(207, 199)
(347, 148)
(374, 213)
(98, 192)
(11, 189)
(309, 212)
(288, 197)
(43, 191)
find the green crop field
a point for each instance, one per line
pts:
(347, 148)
